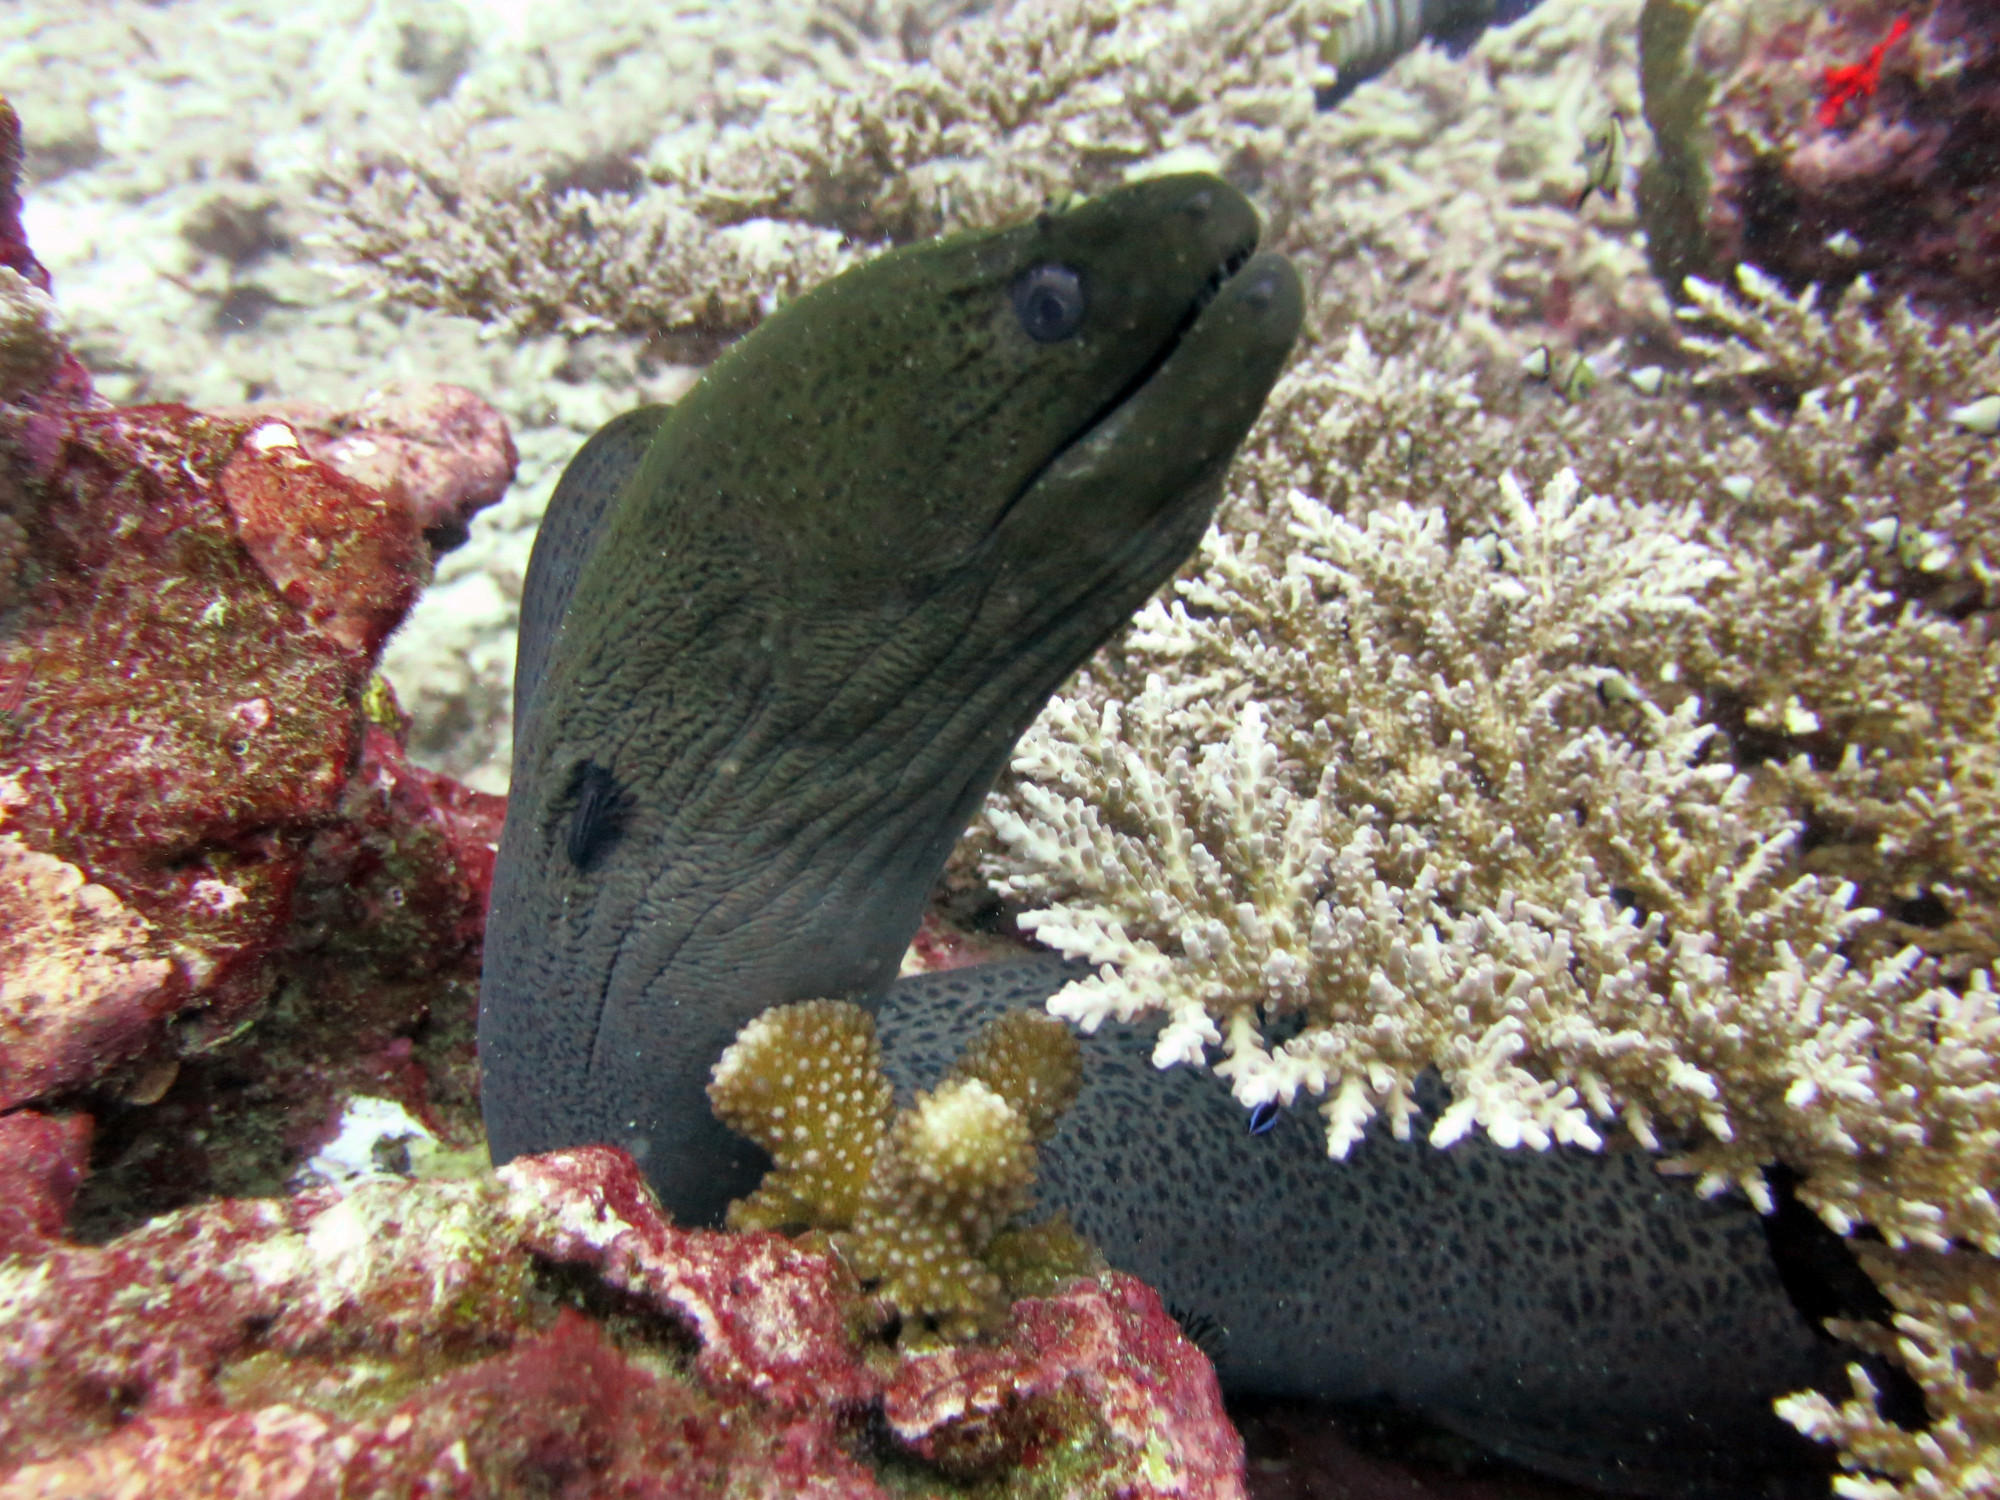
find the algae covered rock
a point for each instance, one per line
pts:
(226, 897)
(1821, 142)
(544, 1330)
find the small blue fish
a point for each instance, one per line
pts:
(1264, 1117)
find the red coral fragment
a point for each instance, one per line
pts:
(1857, 81)
(42, 1159)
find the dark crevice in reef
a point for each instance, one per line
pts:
(1824, 1280)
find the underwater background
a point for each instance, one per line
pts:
(1586, 698)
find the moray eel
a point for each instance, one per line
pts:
(777, 641)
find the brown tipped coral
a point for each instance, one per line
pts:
(958, 1167)
(805, 1082)
(925, 1196)
(1029, 1060)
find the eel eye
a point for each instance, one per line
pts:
(1049, 302)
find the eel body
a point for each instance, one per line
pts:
(777, 641)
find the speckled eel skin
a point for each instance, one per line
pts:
(776, 643)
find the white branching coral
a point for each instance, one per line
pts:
(1676, 817)
(1946, 1333)
(1455, 805)
(1067, 96)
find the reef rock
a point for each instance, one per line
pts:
(204, 800)
(1822, 141)
(443, 449)
(545, 1330)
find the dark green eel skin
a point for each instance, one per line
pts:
(776, 643)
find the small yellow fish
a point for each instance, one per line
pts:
(1570, 375)
(1603, 159)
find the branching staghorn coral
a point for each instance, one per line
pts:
(1881, 450)
(1446, 186)
(1064, 97)
(1947, 1335)
(920, 1201)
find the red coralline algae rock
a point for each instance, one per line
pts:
(346, 556)
(196, 605)
(940, 945)
(178, 725)
(41, 1161)
(1819, 142)
(403, 873)
(417, 1339)
(438, 447)
(563, 1414)
(1104, 1361)
(772, 1318)
(82, 976)
(14, 252)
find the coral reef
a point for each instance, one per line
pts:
(1447, 187)
(1749, 914)
(546, 1331)
(979, 132)
(238, 939)
(176, 207)
(1669, 815)
(919, 1199)
(1820, 142)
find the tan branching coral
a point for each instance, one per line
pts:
(1028, 1062)
(1067, 96)
(920, 1201)
(805, 1082)
(1947, 1335)
(1884, 450)
(958, 1166)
